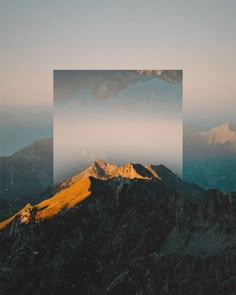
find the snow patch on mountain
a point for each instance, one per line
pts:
(221, 134)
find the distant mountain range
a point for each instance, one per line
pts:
(24, 174)
(23, 124)
(122, 230)
(209, 160)
(220, 140)
(220, 135)
(210, 157)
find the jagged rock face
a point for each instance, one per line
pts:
(102, 170)
(127, 236)
(174, 274)
(206, 229)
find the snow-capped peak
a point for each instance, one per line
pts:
(221, 134)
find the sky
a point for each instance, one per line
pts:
(115, 116)
(196, 36)
(20, 126)
(38, 37)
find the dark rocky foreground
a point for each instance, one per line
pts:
(130, 236)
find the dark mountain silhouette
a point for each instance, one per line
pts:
(122, 230)
(24, 174)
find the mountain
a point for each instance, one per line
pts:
(23, 124)
(122, 230)
(171, 76)
(222, 134)
(218, 141)
(101, 170)
(210, 157)
(74, 190)
(24, 174)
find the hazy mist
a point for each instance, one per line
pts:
(140, 123)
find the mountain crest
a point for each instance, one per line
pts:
(220, 134)
(99, 163)
(24, 216)
(227, 126)
(98, 179)
(102, 170)
(131, 170)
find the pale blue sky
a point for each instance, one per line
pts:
(196, 36)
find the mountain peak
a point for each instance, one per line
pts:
(90, 183)
(220, 134)
(102, 170)
(230, 126)
(227, 125)
(132, 170)
(100, 163)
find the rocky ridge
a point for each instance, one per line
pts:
(118, 235)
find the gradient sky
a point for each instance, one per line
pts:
(22, 125)
(116, 116)
(196, 36)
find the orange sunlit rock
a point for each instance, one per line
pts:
(66, 198)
